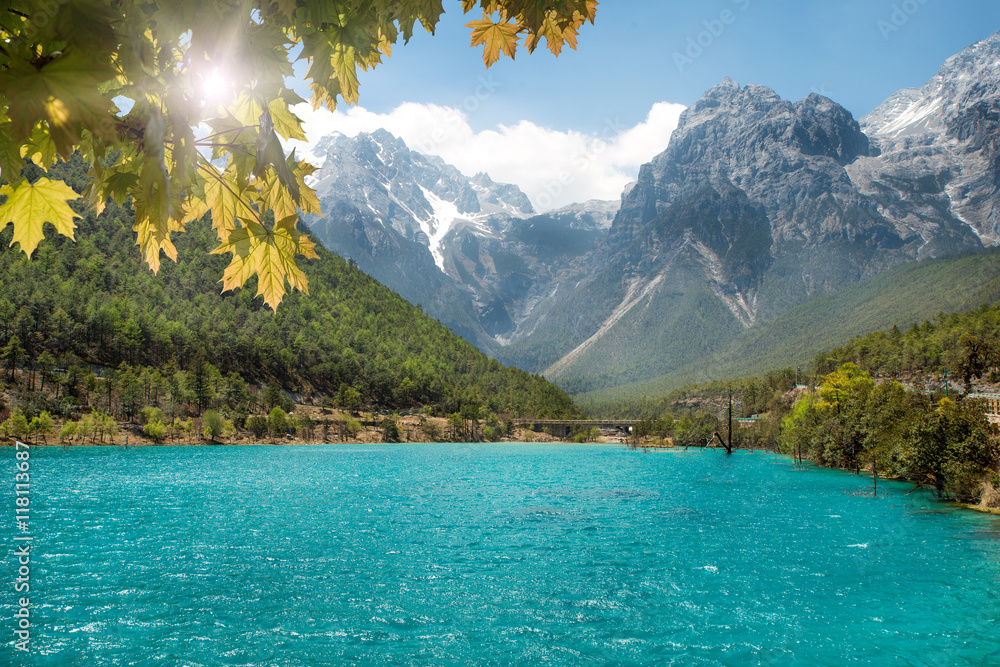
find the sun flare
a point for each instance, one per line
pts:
(216, 86)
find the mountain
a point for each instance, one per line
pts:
(939, 146)
(759, 205)
(473, 253)
(94, 300)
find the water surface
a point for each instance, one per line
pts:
(494, 555)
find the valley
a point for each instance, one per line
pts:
(757, 207)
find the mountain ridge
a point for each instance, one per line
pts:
(756, 206)
(840, 206)
(473, 252)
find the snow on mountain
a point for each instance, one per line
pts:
(937, 147)
(471, 250)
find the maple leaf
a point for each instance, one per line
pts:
(59, 77)
(30, 205)
(268, 253)
(270, 152)
(11, 162)
(64, 92)
(287, 124)
(39, 147)
(224, 199)
(495, 37)
(152, 215)
(274, 195)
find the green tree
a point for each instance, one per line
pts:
(390, 431)
(257, 425)
(188, 427)
(214, 426)
(347, 428)
(42, 424)
(12, 354)
(130, 391)
(949, 449)
(277, 422)
(199, 380)
(455, 426)
(16, 424)
(470, 415)
(155, 429)
(109, 427)
(47, 362)
(68, 431)
(191, 63)
(151, 413)
(349, 398)
(272, 397)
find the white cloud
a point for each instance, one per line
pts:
(553, 168)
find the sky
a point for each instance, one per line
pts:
(579, 126)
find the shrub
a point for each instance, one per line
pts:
(155, 430)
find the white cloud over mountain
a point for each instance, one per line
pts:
(552, 167)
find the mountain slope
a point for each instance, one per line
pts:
(903, 296)
(759, 205)
(940, 144)
(92, 300)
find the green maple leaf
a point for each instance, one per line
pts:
(285, 122)
(153, 214)
(65, 92)
(11, 162)
(30, 205)
(268, 253)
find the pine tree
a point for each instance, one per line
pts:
(13, 354)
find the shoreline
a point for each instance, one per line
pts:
(526, 437)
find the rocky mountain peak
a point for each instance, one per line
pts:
(963, 80)
(781, 154)
(943, 141)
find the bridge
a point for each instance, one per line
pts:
(563, 428)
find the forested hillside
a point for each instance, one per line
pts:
(903, 297)
(967, 345)
(94, 302)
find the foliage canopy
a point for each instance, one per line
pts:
(186, 65)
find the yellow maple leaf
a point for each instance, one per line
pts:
(268, 253)
(30, 205)
(556, 33)
(495, 37)
(225, 203)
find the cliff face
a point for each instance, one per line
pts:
(938, 170)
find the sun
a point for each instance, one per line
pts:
(215, 85)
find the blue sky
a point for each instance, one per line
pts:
(625, 63)
(644, 52)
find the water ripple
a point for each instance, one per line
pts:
(496, 555)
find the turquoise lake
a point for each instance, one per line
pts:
(504, 554)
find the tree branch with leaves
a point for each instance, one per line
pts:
(180, 107)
